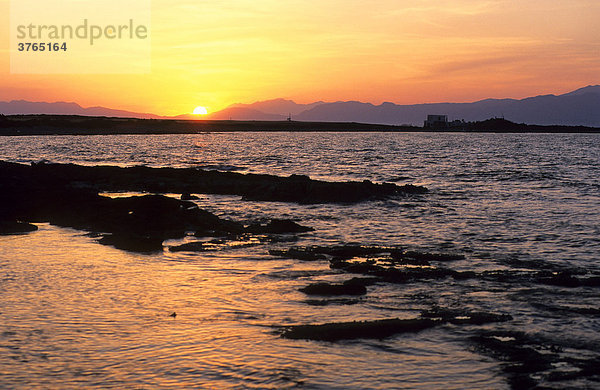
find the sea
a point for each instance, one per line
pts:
(76, 314)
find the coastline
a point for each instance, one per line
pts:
(23, 125)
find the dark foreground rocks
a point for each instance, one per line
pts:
(136, 223)
(15, 227)
(295, 188)
(528, 359)
(395, 265)
(350, 287)
(379, 329)
(542, 360)
(338, 254)
(68, 195)
(133, 242)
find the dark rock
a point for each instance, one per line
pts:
(399, 257)
(16, 227)
(337, 263)
(279, 226)
(349, 251)
(519, 353)
(188, 196)
(593, 281)
(348, 288)
(67, 195)
(132, 242)
(380, 262)
(561, 279)
(365, 268)
(565, 278)
(586, 368)
(377, 329)
(295, 188)
(462, 317)
(523, 381)
(411, 189)
(394, 275)
(341, 253)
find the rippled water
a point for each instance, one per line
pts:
(78, 314)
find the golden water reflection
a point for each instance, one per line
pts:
(79, 314)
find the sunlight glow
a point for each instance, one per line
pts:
(200, 110)
(401, 51)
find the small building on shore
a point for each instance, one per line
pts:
(436, 121)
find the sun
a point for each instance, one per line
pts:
(200, 110)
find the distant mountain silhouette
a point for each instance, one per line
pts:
(16, 107)
(279, 106)
(244, 113)
(584, 90)
(267, 110)
(579, 107)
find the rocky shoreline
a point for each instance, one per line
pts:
(70, 196)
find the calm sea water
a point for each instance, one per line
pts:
(77, 314)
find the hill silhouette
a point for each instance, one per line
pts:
(577, 108)
(24, 107)
(580, 107)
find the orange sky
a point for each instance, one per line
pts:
(215, 53)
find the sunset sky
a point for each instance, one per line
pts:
(215, 53)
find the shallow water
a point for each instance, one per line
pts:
(79, 314)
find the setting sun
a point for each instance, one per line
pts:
(200, 110)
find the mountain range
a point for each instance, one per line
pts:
(17, 107)
(579, 107)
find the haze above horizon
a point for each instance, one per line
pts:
(214, 54)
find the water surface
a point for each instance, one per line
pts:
(79, 314)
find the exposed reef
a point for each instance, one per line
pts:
(528, 359)
(377, 329)
(380, 329)
(395, 265)
(69, 195)
(349, 287)
(294, 188)
(339, 254)
(137, 223)
(15, 227)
